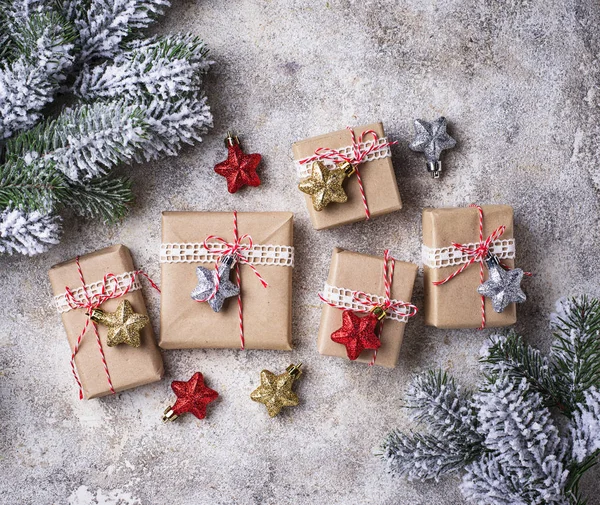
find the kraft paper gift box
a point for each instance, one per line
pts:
(457, 304)
(353, 272)
(128, 366)
(379, 180)
(266, 313)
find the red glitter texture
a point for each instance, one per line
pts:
(239, 168)
(192, 396)
(357, 333)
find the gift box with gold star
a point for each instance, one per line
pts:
(365, 307)
(347, 176)
(102, 307)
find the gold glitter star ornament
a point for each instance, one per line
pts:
(325, 185)
(124, 325)
(275, 391)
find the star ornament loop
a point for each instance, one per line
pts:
(503, 286)
(275, 391)
(192, 396)
(324, 185)
(207, 290)
(358, 333)
(124, 325)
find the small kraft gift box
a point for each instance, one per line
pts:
(456, 244)
(362, 155)
(366, 304)
(226, 280)
(104, 287)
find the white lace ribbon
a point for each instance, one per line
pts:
(345, 299)
(95, 288)
(451, 256)
(195, 252)
(304, 169)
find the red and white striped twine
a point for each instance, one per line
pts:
(478, 254)
(109, 290)
(358, 156)
(235, 249)
(389, 265)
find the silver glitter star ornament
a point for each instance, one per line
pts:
(431, 139)
(503, 286)
(207, 280)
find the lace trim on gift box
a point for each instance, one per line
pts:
(304, 169)
(95, 288)
(451, 256)
(259, 254)
(347, 298)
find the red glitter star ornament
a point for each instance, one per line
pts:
(192, 396)
(239, 168)
(357, 333)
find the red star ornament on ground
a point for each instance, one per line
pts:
(192, 396)
(239, 168)
(357, 333)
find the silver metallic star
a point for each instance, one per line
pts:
(431, 138)
(207, 280)
(503, 286)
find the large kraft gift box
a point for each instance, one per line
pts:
(362, 272)
(457, 304)
(267, 312)
(379, 181)
(128, 366)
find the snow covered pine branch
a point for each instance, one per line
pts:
(135, 98)
(507, 438)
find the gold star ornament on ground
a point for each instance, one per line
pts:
(325, 185)
(275, 391)
(124, 325)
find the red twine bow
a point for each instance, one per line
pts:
(109, 290)
(359, 155)
(388, 306)
(237, 249)
(477, 254)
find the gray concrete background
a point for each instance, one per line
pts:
(518, 82)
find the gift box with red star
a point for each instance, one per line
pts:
(351, 335)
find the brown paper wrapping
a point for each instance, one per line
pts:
(128, 366)
(362, 272)
(267, 312)
(457, 304)
(379, 182)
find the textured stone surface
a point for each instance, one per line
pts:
(518, 83)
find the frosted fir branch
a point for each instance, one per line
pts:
(575, 355)
(161, 69)
(29, 82)
(103, 25)
(46, 40)
(28, 186)
(434, 398)
(172, 124)
(85, 141)
(584, 427)
(27, 233)
(523, 444)
(422, 456)
(105, 198)
(24, 92)
(508, 354)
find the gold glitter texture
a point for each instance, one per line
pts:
(124, 325)
(275, 391)
(324, 185)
